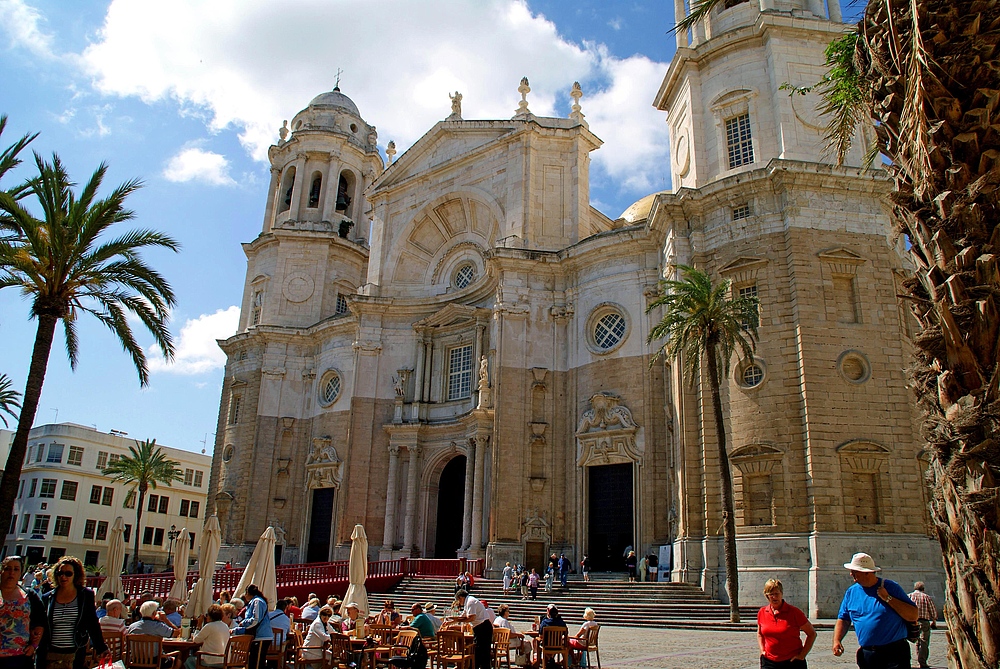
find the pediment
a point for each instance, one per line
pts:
(451, 314)
(755, 451)
(861, 446)
(446, 143)
(841, 255)
(741, 264)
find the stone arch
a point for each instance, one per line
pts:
(865, 478)
(286, 190)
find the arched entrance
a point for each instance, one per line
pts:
(450, 509)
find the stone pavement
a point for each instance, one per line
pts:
(633, 647)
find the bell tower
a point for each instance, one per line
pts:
(722, 93)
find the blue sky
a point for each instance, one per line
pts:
(188, 95)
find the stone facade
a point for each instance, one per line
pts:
(451, 349)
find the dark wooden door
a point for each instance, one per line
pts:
(320, 526)
(610, 531)
(450, 510)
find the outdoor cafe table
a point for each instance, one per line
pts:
(183, 647)
(368, 654)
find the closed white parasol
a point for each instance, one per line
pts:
(260, 570)
(179, 590)
(358, 571)
(116, 557)
(203, 594)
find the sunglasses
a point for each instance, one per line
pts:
(65, 574)
(324, 615)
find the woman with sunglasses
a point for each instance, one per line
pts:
(316, 638)
(71, 620)
(22, 618)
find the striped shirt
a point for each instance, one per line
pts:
(925, 605)
(64, 618)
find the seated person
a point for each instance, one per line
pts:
(430, 610)
(113, 620)
(279, 619)
(517, 643)
(422, 622)
(229, 614)
(293, 611)
(311, 609)
(153, 621)
(578, 642)
(388, 615)
(170, 609)
(239, 605)
(352, 621)
(551, 619)
(318, 634)
(102, 610)
(213, 638)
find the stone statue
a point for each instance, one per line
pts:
(484, 381)
(456, 106)
(279, 532)
(283, 131)
(323, 451)
(397, 385)
(373, 137)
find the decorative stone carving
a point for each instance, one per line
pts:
(576, 114)
(456, 106)
(390, 152)
(484, 383)
(279, 532)
(283, 132)
(522, 111)
(324, 468)
(536, 528)
(607, 433)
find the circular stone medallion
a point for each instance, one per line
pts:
(299, 287)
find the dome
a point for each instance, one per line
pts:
(335, 98)
(639, 211)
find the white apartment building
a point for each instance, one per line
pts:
(65, 505)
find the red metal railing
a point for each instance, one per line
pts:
(325, 578)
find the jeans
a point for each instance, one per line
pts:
(924, 642)
(895, 655)
(786, 664)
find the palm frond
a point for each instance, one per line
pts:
(699, 10)
(10, 399)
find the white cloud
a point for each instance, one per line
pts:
(194, 163)
(248, 64)
(22, 25)
(196, 351)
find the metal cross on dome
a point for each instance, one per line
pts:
(336, 86)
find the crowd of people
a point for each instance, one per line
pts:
(50, 620)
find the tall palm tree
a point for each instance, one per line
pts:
(142, 470)
(8, 399)
(702, 320)
(922, 77)
(9, 160)
(65, 263)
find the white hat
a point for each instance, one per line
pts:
(862, 562)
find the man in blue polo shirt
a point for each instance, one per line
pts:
(879, 609)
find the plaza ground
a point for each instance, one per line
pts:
(634, 647)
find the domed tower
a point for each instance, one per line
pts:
(302, 272)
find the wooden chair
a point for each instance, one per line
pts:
(591, 645)
(554, 645)
(145, 651)
(115, 641)
(276, 651)
(453, 651)
(292, 645)
(236, 655)
(301, 650)
(383, 635)
(341, 652)
(501, 647)
(400, 646)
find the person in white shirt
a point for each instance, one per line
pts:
(213, 638)
(429, 610)
(113, 621)
(318, 634)
(481, 619)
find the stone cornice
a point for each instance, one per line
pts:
(275, 236)
(263, 334)
(475, 421)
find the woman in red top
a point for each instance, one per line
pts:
(779, 629)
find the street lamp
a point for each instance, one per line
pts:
(172, 535)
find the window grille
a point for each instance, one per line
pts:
(741, 212)
(341, 305)
(752, 376)
(460, 372)
(738, 140)
(750, 292)
(609, 330)
(465, 275)
(331, 389)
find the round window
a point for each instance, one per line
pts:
(465, 275)
(752, 375)
(330, 389)
(227, 453)
(854, 367)
(609, 330)
(354, 127)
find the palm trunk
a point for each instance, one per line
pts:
(138, 525)
(32, 393)
(934, 90)
(726, 483)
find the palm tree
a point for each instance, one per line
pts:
(9, 160)
(63, 262)
(143, 469)
(8, 399)
(702, 320)
(920, 76)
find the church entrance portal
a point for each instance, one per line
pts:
(320, 525)
(610, 531)
(450, 509)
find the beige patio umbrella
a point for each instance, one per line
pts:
(260, 570)
(203, 594)
(179, 590)
(358, 571)
(114, 563)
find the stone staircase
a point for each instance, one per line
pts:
(617, 603)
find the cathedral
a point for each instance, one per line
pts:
(450, 346)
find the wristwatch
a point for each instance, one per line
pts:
(888, 598)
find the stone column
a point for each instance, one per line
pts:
(418, 384)
(470, 468)
(272, 196)
(389, 536)
(411, 496)
(330, 190)
(835, 14)
(477, 493)
(679, 13)
(477, 352)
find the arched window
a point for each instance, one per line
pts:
(287, 184)
(344, 188)
(314, 190)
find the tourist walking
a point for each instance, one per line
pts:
(630, 564)
(549, 578)
(926, 618)
(70, 620)
(481, 619)
(879, 609)
(585, 568)
(563, 569)
(22, 618)
(508, 578)
(533, 584)
(524, 584)
(779, 631)
(255, 621)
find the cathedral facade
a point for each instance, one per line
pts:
(450, 347)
